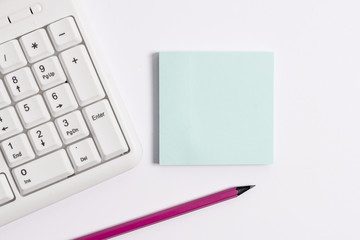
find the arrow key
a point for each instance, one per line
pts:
(21, 84)
(60, 100)
(9, 123)
(45, 138)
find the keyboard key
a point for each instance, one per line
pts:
(82, 75)
(49, 73)
(84, 154)
(33, 111)
(44, 138)
(21, 84)
(60, 100)
(4, 96)
(9, 123)
(43, 172)
(6, 194)
(36, 45)
(64, 33)
(17, 150)
(72, 127)
(11, 57)
(106, 130)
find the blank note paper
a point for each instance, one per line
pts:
(216, 108)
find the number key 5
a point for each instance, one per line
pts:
(33, 111)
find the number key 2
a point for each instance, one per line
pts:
(45, 138)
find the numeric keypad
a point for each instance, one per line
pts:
(51, 101)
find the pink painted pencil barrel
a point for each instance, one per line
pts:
(167, 213)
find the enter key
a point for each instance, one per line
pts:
(105, 129)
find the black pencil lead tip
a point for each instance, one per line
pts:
(243, 189)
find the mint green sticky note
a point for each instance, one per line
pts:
(216, 108)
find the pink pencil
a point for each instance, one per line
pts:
(167, 213)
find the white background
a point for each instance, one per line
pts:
(310, 192)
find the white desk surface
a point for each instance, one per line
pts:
(311, 192)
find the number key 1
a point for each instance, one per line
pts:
(17, 150)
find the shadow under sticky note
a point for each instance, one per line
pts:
(216, 108)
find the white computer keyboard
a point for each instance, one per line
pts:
(61, 127)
